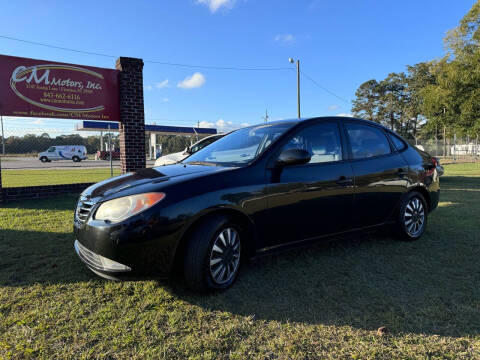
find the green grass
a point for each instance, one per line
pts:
(325, 301)
(17, 178)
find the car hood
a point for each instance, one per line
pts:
(130, 181)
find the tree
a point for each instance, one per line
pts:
(419, 76)
(392, 101)
(366, 102)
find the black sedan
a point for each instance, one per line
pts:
(259, 189)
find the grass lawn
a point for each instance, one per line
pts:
(16, 178)
(324, 301)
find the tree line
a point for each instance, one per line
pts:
(433, 96)
(33, 144)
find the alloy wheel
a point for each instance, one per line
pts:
(414, 217)
(225, 256)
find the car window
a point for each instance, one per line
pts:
(367, 141)
(399, 144)
(203, 143)
(52, 149)
(241, 146)
(321, 140)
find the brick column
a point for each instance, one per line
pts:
(132, 118)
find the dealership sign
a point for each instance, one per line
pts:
(37, 88)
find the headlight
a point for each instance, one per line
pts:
(122, 208)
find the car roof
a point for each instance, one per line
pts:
(311, 119)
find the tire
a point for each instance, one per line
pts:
(208, 251)
(411, 219)
(76, 159)
(44, 159)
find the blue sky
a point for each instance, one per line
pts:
(340, 44)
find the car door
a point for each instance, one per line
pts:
(380, 173)
(314, 199)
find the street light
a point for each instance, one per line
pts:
(298, 83)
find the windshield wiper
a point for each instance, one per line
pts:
(202, 163)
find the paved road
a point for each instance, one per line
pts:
(34, 163)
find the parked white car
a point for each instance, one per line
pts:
(75, 153)
(174, 158)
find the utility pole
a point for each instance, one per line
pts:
(444, 136)
(265, 118)
(198, 123)
(298, 84)
(3, 137)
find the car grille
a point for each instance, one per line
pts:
(83, 210)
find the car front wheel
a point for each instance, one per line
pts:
(44, 159)
(212, 257)
(412, 217)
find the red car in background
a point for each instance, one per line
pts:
(105, 155)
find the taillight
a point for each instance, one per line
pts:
(435, 161)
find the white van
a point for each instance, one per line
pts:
(64, 152)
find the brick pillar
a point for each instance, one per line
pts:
(132, 118)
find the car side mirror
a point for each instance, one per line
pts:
(291, 157)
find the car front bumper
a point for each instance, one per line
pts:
(99, 264)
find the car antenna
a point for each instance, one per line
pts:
(265, 118)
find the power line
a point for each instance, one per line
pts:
(55, 47)
(324, 88)
(167, 63)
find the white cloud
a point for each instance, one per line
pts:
(194, 81)
(166, 100)
(37, 122)
(148, 87)
(333, 107)
(284, 38)
(215, 5)
(206, 124)
(345, 115)
(222, 123)
(244, 124)
(162, 84)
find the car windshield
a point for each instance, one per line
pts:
(239, 147)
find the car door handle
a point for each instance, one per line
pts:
(344, 181)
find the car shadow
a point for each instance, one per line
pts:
(368, 281)
(60, 202)
(33, 257)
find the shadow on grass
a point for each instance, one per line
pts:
(60, 202)
(430, 286)
(33, 257)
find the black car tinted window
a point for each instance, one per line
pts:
(322, 141)
(399, 144)
(367, 141)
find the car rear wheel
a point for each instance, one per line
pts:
(212, 256)
(412, 217)
(76, 159)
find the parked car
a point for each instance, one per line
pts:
(64, 152)
(174, 158)
(440, 169)
(105, 155)
(259, 189)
